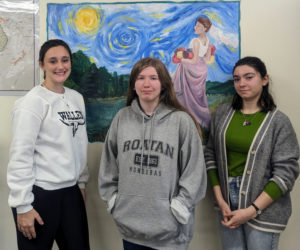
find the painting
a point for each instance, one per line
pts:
(18, 39)
(107, 39)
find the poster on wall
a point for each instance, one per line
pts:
(107, 39)
(18, 41)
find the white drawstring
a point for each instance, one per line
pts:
(151, 137)
(143, 139)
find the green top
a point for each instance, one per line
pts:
(239, 136)
(239, 139)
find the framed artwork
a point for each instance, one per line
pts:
(18, 40)
(107, 39)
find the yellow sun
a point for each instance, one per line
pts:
(87, 21)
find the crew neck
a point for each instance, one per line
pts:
(48, 90)
(249, 114)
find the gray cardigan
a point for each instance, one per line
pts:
(273, 156)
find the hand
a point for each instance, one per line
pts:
(225, 210)
(25, 223)
(223, 205)
(239, 217)
(83, 194)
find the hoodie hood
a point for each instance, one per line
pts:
(160, 113)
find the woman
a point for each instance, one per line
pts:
(152, 170)
(48, 159)
(190, 75)
(251, 158)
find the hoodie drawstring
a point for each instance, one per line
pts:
(143, 141)
(151, 137)
(150, 140)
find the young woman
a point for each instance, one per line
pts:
(152, 170)
(48, 159)
(190, 75)
(252, 162)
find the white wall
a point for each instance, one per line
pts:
(270, 30)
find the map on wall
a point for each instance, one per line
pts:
(17, 45)
(107, 39)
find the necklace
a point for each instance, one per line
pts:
(65, 100)
(247, 122)
(62, 95)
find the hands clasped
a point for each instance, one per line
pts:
(233, 219)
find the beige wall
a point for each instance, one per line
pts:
(270, 30)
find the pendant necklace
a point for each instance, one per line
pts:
(65, 101)
(247, 122)
(62, 95)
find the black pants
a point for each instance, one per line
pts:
(132, 246)
(65, 220)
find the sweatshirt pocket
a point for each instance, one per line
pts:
(145, 218)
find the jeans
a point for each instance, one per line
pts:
(244, 237)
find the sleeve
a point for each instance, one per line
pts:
(209, 153)
(273, 190)
(213, 177)
(20, 171)
(192, 181)
(285, 155)
(84, 174)
(109, 170)
(83, 177)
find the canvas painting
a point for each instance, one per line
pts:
(199, 42)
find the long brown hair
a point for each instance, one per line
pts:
(167, 94)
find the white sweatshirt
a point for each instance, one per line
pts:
(49, 145)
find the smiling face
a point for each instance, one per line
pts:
(248, 83)
(56, 65)
(148, 87)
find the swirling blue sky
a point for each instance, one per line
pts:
(123, 33)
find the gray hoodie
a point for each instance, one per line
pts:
(152, 174)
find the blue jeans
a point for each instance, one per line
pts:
(244, 237)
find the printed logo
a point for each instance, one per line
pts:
(148, 165)
(145, 171)
(153, 145)
(73, 119)
(151, 161)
